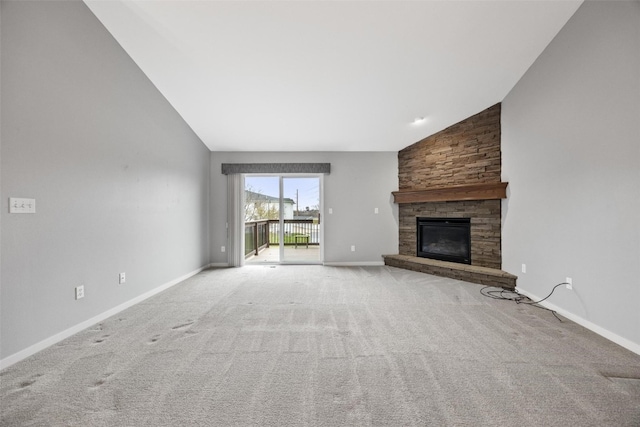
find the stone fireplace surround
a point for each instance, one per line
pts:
(485, 232)
(455, 173)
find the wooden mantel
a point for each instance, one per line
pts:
(491, 191)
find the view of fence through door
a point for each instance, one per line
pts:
(282, 219)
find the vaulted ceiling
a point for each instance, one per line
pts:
(330, 75)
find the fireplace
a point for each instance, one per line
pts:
(445, 239)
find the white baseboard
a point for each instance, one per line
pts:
(354, 264)
(48, 342)
(628, 344)
(218, 264)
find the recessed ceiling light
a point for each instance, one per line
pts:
(418, 120)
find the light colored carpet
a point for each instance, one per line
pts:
(326, 346)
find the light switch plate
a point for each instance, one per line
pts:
(22, 205)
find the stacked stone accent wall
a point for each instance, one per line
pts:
(465, 153)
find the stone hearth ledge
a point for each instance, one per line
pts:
(468, 273)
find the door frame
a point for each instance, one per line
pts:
(282, 176)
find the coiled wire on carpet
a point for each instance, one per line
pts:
(508, 295)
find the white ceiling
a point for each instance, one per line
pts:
(330, 75)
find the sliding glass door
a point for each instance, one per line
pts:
(261, 217)
(301, 221)
(282, 219)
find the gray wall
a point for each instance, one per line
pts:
(121, 182)
(358, 183)
(571, 154)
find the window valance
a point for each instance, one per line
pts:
(236, 168)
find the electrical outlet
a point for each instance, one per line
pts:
(122, 278)
(353, 248)
(524, 268)
(376, 210)
(569, 283)
(223, 249)
(79, 292)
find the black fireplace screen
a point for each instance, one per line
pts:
(445, 239)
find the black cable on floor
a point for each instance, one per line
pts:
(519, 298)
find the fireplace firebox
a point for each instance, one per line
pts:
(445, 239)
